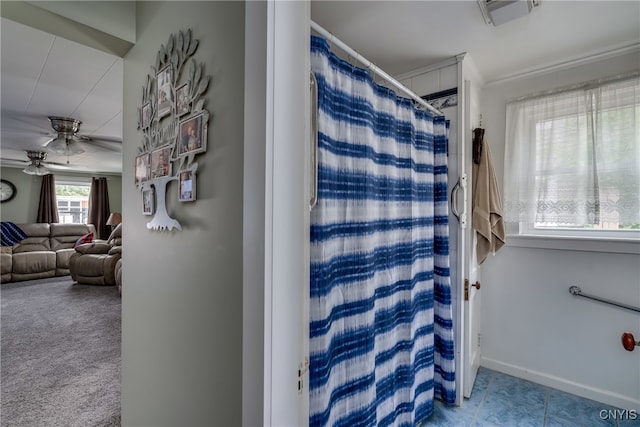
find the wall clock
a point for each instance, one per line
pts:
(7, 190)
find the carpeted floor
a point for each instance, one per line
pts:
(60, 354)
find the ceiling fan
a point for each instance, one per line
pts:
(68, 142)
(36, 165)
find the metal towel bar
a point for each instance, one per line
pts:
(576, 291)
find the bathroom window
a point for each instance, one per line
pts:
(572, 161)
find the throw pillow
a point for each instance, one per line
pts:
(10, 234)
(87, 238)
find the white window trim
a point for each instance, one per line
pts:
(73, 180)
(575, 243)
(594, 233)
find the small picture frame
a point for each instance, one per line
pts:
(164, 92)
(146, 115)
(192, 134)
(142, 168)
(161, 162)
(187, 186)
(148, 201)
(182, 99)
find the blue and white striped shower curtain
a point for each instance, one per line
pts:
(381, 335)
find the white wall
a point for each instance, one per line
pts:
(531, 326)
(276, 214)
(182, 291)
(287, 213)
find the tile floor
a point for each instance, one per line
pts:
(502, 400)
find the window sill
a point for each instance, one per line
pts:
(623, 246)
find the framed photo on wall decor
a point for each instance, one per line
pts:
(161, 162)
(146, 115)
(192, 134)
(164, 92)
(148, 201)
(142, 168)
(182, 99)
(187, 186)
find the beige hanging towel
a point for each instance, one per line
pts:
(487, 205)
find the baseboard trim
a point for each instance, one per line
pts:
(599, 395)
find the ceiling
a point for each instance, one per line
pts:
(42, 74)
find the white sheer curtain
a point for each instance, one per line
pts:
(572, 159)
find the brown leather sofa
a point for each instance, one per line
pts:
(44, 253)
(95, 263)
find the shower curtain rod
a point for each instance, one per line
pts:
(374, 68)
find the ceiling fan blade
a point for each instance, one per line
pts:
(100, 138)
(101, 145)
(14, 162)
(49, 141)
(23, 132)
(32, 121)
(61, 166)
(109, 146)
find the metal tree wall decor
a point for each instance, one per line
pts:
(174, 126)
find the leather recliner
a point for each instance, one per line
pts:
(95, 263)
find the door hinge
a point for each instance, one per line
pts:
(303, 367)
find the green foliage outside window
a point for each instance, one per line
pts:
(72, 190)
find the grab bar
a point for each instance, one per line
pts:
(460, 185)
(314, 141)
(454, 200)
(576, 291)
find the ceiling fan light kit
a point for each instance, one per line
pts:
(67, 128)
(36, 167)
(65, 125)
(64, 145)
(36, 170)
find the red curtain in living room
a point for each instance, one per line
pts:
(48, 207)
(99, 207)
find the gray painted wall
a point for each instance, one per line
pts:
(24, 207)
(182, 291)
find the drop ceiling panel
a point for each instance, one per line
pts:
(69, 75)
(112, 128)
(103, 102)
(24, 53)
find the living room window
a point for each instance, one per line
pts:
(73, 200)
(572, 161)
